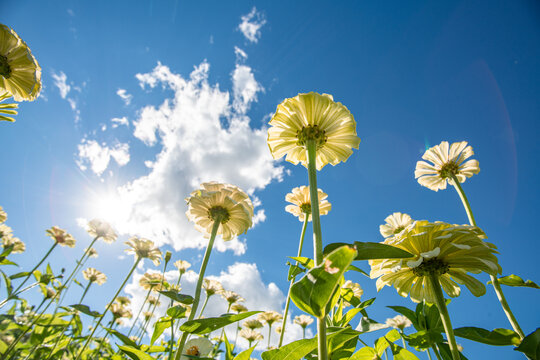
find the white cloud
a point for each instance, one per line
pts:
(124, 96)
(251, 25)
(241, 55)
(245, 88)
(243, 278)
(60, 81)
(119, 121)
(99, 156)
(201, 137)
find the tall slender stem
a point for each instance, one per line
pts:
(139, 313)
(436, 351)
(445, 317)
(109, 305)
(301, 244)
(494, 281)
(317, 237)
(182, 341)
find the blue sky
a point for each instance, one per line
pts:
(191, 89)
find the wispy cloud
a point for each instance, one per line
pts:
(124, 96)
(60, 81)
(119, 121)
(98, 156)
(251, 25)
(65, 89)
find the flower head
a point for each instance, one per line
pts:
(303, 320)
(250, 335)
(446, 161)
(301, 200)
(350, 289)
(399, 322)
(441, 249)
(152, 281)
(395, 223)
(20, 73)
(101, 229)
(94, 276)
(212, 287)
(123, 300)
(231, 297)
(270, 317)
(239, 308)
(61, 236)
(18, 245)
(144, 248)
(182, 265)
(200, 347)
(252, 324)
(91, 252)
(3, 215)
(317, 117)
(225, 202)
(153, 301)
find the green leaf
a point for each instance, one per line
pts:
(342, 343)
(365, 353)
(514, 280)
(85, 310)
(408, 313)
(293, 271)
(19, 275)
(304, 261)
(7, 262)
(445, 352)
(228, 348)
(530, 345)
(7, 280)
(497, 337)
(176, 312)
(372, 251)
(357, 269)
(315, 289)
(245, 355)
(160, 326)
(423, 339)
(207, 325)
(297, 349)
(368, 325)
(126, 340)
(382, 343)
(181, 298)
(401, 353)
(135, 353)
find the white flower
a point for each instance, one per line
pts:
(395, 224)
(101, 229)
(197, 347)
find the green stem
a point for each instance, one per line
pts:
(282, 335)
(445, 317)
(494, 281)
(403, 339)
(15, 292)
(139, 313)
(269, 335)
(182, 340)
(317, 237)
(436, 351)
(159, 295)
(109, 305)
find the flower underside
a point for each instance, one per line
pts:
(311, 132)
(216, 212)
(431, 266)
(5, 69)
(194, 350)
(449, 169)
(306, 208)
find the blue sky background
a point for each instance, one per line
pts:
(413, 74)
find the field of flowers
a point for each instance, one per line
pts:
(429, 262)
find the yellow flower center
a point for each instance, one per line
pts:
(449, 169)
(306, 208)
(311, 132)
(194, 350)
(221, 212)
(5, 69)
(431, 266)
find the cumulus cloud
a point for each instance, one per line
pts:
(251, 25)
(124, 96)
(242, 278)
(98, 157)
(201, 135)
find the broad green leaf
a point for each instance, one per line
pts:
(7, 262)
(135, 353)
(304, 261)
(408, 313)
(401, 353)
(7, 280)
(357, 269)
(297, 349)
(181, 298)
(340, 343)
(245, 355)
(19, 275)
(530, 346)
(176, 312)
(160, 326)
(85, 310)
(423, 339)
(315, 289)
(365, 353)
(368, 325)
(207, 325)
(497, 337)
(228, 348)
(514, 280)
(126, 340)
(372, 251)
(293, 271)
(385, 341)
(445, 352)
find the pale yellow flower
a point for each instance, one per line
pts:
(231, 297)
(144, 248)
(270, 317)
(147, 315)
(50, 292)
(152, 281)
(228, 202)
(154, 301)
(20, 73)
(91, 252)
(312, 116)
(61, 236)
(123, 300)
(353, 287)
(303, 320)
(395, 224)
(18, 245)
(301, 199)
(7, 108)
(182, 265)
(102, 229)
(446, 160)
(5, 231)
(252, 324)
(119, 311)
(239, 308)
(250, 335)
(212, 287)
(200, 347)
(448, 251)
(94, 276)
(399, 322)
(3, 215)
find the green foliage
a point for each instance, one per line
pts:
(85, 310)
(497, 337)
(514, 280)
(135, 353)
(530, 345)
(372, 250)
(207, 325)
(181, 298)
